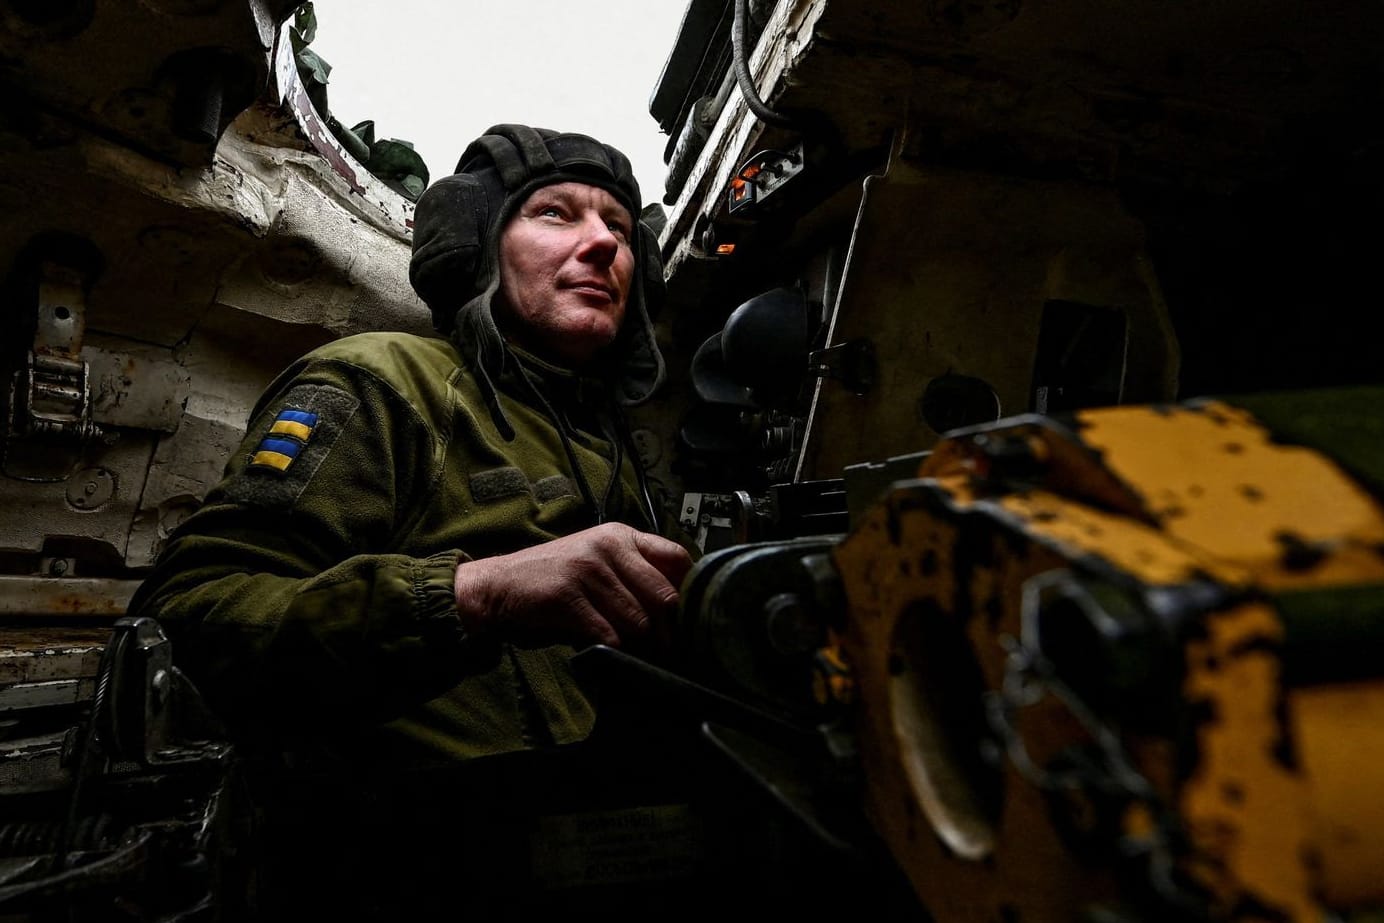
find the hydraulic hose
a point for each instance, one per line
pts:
(740, 60)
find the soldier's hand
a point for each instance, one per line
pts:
(598, 586)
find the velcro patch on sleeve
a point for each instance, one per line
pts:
(499, 483)
(503, 483)
(554, 487)
(302, 427)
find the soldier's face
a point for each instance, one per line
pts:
(566, 266)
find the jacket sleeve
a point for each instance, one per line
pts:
(279, 594)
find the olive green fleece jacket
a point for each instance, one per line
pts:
(316, 602)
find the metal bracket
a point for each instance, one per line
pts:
(146, 711)
(852, 363)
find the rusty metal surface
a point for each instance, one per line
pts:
(39, 654)
(63, 596)
(137, 387)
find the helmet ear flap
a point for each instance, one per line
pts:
(449, 228)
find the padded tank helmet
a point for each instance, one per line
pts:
(458, 220)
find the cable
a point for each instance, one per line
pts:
(740, 61)
(623, 434)
(561, 425)
(86, 742)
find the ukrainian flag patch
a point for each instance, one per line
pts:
(296, 424)
(287, 443)
(287, 435)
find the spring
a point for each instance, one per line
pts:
(32, 838)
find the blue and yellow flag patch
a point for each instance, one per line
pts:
(287, 443)
(287, 435)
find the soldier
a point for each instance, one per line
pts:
(417, 531)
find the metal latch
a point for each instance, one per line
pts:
(51, 394)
